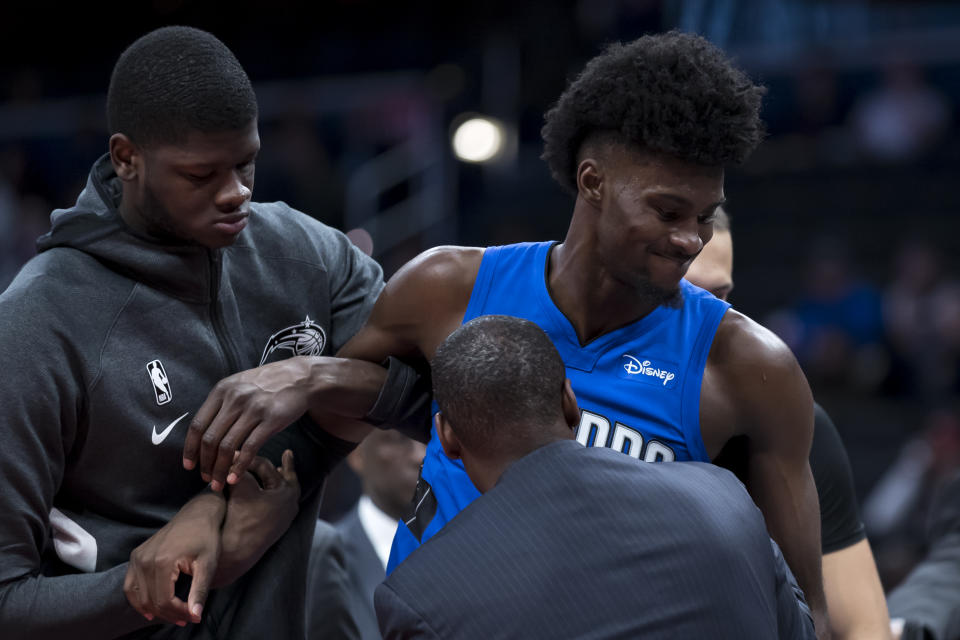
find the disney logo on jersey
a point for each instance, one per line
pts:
(161, 384)
(648, 371)
(304, 339)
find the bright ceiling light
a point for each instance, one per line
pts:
(478, 139)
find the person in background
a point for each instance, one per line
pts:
(850, 580)
(387, 463)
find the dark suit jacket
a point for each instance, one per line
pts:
(328, 590)
(364, 573)
(590, 543)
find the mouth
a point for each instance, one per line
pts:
(232, 224)
(682, 262)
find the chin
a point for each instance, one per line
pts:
(660, 293)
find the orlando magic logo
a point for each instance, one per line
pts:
(304, 339)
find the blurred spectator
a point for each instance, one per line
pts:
(388, 464)
(896, 512)
(927, 602)
(903, 118)
(922, 315)
(836, 326)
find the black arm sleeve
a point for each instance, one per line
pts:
(404, 402)
(840, 523)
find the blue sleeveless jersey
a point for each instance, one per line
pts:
(638, 387)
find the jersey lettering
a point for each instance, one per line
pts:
(627, 440)
(594, 431)
(658, 452)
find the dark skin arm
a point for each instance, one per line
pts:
(754, 387)
(213, 539)
(421, 305)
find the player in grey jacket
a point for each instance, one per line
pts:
(163, 279)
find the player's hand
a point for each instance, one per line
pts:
(189, 543)
(258, 513)
(241, 413)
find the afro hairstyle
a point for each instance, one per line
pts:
(671, 93)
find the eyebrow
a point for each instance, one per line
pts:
(684, 202)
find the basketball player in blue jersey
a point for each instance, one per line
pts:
(663, 370)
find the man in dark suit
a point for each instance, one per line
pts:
(574, 542)
(387, 463)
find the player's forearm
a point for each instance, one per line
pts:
(348, 396)
(342, 387)
(788, 499)
(80, 606)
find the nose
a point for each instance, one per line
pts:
(234, 194)
(687, 239)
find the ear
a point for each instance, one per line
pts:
(590, 181)
(126, 157)
(448, 439)
(571, 412)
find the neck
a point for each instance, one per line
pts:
(488, 472)
(583, 288)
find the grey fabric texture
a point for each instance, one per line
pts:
(78, 327)
(578, 542)
(363, 572)
(329, 594)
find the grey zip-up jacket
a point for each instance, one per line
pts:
(109, 342)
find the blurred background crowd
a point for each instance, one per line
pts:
(844, 221)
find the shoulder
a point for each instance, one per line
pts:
(741, 343)
(436, 284)
(446, 265)
(761, 380)
(280, 230)
(326, 538)
(50, 288)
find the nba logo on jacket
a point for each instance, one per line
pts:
(161, 385)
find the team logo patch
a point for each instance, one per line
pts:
(161, 385)
(304, 339)
(657, 373)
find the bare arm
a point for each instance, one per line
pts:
(858, 610)
(419, 307)
(769, 401)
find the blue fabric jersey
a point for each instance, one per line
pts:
(638, 387)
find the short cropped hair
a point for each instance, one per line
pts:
(671, 93)
(175, 80)
(497, 379)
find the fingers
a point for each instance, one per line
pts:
(219, 444)
(286, 469)
(164, 602)
(248, 451)
(134, 587)
(203, 570)
(205, 414)
(268, 475)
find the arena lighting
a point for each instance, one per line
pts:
(478, 139)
